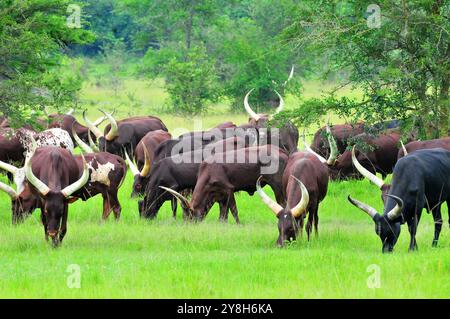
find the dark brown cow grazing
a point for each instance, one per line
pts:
(223, 174)
(179, 173)
(125, 134)
(143, 156)
(419, 145)
(341, 134)
(54, 175)
(11, 148)
(378, 154)
(305, 184)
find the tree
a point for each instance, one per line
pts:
(402, 64)
(33, 36)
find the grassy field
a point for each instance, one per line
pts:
(167, 258)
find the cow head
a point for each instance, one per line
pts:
(110, 142)
(140, 177)
(53, 201)
(260, 120)
(387, 226)
(289, 219)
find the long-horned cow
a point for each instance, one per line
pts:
(282, 134)
(54, 175)
(125, 134)
(420, 145)
(223, 174)
(305, 184)
(179, 173)
(420, 180)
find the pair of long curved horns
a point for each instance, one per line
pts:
(147, 166)
(364, 172)
(276, 208)
(113, 132)
(372, 212)
(183, 199)
(291, 75)
(252, 113)
(91, 148)
(333, 148)
(44, 189)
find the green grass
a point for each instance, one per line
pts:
(168, 258)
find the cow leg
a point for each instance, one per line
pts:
(115, 204)
(174, 207)
(44, 223)
(315, 211)
(309, 224)
(233, 208)
(437, 224)
(412, 227)
(63, 229)
(106, 206)
(223, 216)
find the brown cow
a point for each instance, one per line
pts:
(143, 156)
(223, 174)
(419, 145)
(54, 175)
(305, 184)
(124, 135)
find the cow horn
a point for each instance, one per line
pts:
(8, 167)
(274, 206)
(114, 131)
(84, 147)
(36, 182)
(405, 152)
(372, 212)
(308, 148)
(133, 168)
(179, 196)
(94, 129)
(91, 142)
(18, 177)
(364, 172)
(9, 190)
(249, 110)
(99, 121)
(281, 106)
(70, 112)
(291, 75)
(302, 205)
(72, 188)
(397, 210)
(147, 166)
(333, 147)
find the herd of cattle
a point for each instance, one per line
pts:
(197, 165)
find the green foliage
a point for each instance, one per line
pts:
(191, 82)
(33, 35)
(403, 66)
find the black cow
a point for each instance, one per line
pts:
(420, 180)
